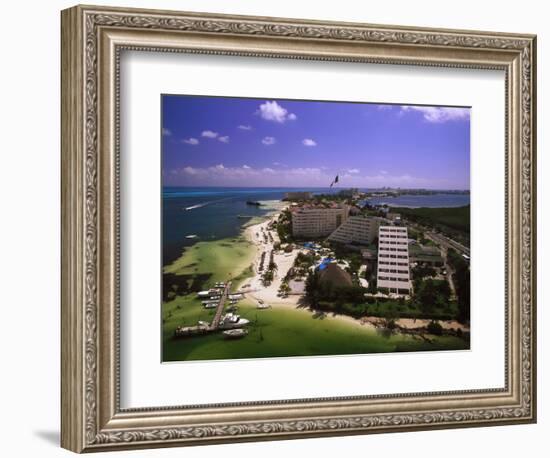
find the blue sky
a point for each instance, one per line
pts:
(222, 141)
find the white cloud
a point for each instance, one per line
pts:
(245, 127)
(166, 132)
(268, 141)
(384, 172)
(385, 107)
(224, 139)
(220, 175)
(438, 114)
(209, 134)
(309, 142)
(354, 171)
(190, 170)
(191, 141)
(272, 111)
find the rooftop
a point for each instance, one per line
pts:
(318, 206)
(335, 275)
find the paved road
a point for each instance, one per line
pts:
(440, 239)
(447, 243)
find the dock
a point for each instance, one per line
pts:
(219, 310)
(204, 328)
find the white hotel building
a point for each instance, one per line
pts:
(317, 220)
(356, 229)
(393, 259)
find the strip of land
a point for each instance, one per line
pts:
(280, 323)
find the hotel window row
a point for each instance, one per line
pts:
(393, 263)
(394, 271)
(396, 229)
(387, 248)
(393, 279)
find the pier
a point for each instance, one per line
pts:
(219, 310)
(231, 323)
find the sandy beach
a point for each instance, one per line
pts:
(284, 261)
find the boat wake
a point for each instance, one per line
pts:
(192, 207)
(204, 204)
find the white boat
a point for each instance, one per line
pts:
(235, 333)
(211, 293)
(234, 297)
(232, 321)
(263, 306)
(191, 236)
(210, 305)
(189, 331)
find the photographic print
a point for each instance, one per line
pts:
(313, 228)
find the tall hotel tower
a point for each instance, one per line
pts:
(393, 259)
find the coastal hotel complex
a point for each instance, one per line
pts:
(334, 222)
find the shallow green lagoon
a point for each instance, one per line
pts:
(224, 259)
(281, 332)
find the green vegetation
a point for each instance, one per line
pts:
(301, 266)
(431, 295)
(454, 221)
(393, 308)
(326, 296)
(461, 279)
(431, 300)
(284, 226)
(354, 259)
(420, 272)
(269, 273)
(282, 331)
(284, 289)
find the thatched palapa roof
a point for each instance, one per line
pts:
(336, 275)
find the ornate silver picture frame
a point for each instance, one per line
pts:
(93, 39)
